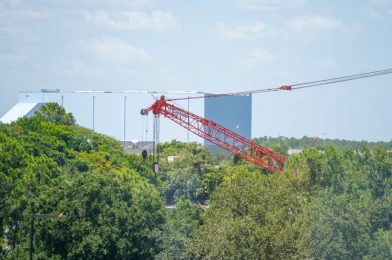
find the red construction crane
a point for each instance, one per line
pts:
(230, 140)
(219, 135)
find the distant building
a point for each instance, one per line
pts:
(232, 112)
(25, 109)
(113, 113)
(117, 114)
(292, 151)
(136, 147)
(173, 158)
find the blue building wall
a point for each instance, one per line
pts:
(232, 112)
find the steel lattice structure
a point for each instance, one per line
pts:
(219, 135)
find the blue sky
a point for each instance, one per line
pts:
(212, 46)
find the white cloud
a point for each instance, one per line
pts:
(242, 31)
(317, 23)
(118, 51)
(383, 6)
(134, 20)
(268, 5)
(380, 9)
(258, 56)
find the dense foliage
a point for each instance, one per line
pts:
(350, 211)
(330, 203)
(73, 193)
(69, 193)
(251, 216)
(283, 144)
(193, 173)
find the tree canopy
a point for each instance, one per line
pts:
(70, 193)
(87, 197)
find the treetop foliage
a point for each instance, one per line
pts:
(87, 197)
(76, 194)
(53, 113)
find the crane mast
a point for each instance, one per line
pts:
(219, 135)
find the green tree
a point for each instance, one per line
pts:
(54, 113)
(350, 200)
(337, 226)
(102, 199)
(101, 216)
(251, 216)
(180, 225)
(381, 245)
(13, 160)
(185, 176)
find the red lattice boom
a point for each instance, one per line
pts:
(219, 135)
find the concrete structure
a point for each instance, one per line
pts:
(25, 109)
(292, 151)
(117, 114)
(113, 113)
(232, 112)
(172, 158)
(138, 147)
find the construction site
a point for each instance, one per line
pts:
(195, 130)
(228, 125)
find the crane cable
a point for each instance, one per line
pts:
(296, 86)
